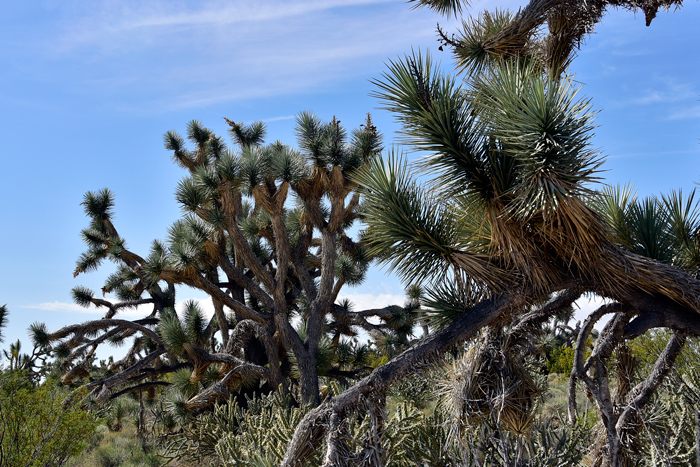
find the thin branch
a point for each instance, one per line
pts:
(579, 354)
(641, 394)
(139, 387)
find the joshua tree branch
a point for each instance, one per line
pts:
(103, 324)
(641, 394)
(231, 203)
(219, 391)
(240, 308)
(246, 328)
(139, 387)
(578, 370)
(107, 384)
(310, 431)
(246, 282)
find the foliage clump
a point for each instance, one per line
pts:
(41, 424)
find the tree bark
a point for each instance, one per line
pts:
(310, 431)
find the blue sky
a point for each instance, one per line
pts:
(88, 88)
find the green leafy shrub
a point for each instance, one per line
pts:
(561, 360)
(42, 425)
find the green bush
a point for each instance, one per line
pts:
(561, 360)
(42, 425)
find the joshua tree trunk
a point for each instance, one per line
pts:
(142, 413)
(308, 378)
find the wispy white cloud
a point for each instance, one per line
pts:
(116, 25)
(137, 312)
(654, 154)
(277, 119)
(668, 98)
(127, 16)
(667, 90)
(69, 307)
(62, 306)
(179, 56)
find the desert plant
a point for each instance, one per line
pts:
(40, 425)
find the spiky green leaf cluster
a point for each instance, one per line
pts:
(473, 55)
(545, 129)
(4, 312)
(349, 270)
(443, 7)
(410, 229)
(99, 205)
(325, 144)
(248, 135)
(82, 296)
(666, 229)
(195, 323)
(173, 334)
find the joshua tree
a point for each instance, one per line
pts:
(509, 232)
(546, 31)
(265, 235)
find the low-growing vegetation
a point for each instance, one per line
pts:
(41, 424)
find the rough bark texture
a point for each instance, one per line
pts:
(314, 424)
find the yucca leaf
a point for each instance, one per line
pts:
(247, 136)
(207, 179)
(473, 52)
(126, 293)
(545, 128)
(443, 7)
(4, 312)
(176, 143)
(228, 167)
(171, 331)
(195, 323)
(99, 205)
(39, 335)
(216, 147)
(366, 141)
(82, 296)
(288, 165)
(308, 130)
(413, 232)
(436, 118)
(189, 194)
(197, 133)
(93, 237)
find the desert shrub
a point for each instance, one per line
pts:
(41, 425)
(668, 437)
(561, 360)
(550, 443)
(263, 431)
(125, 451)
